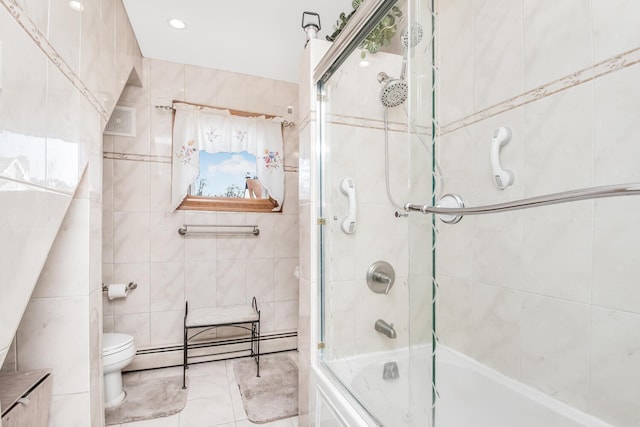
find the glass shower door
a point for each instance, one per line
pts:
(376, 272)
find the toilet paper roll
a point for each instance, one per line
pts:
(117, 290)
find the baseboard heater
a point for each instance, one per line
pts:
(211, 350)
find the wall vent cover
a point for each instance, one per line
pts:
(122, 122)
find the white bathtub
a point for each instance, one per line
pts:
(470, 394)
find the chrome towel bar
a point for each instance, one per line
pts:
(229, 229)
(632, 189)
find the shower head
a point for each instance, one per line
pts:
(394, 92)
(411, 35)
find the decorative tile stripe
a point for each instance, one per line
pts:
(363, 123)
(588, 74)
(137, 157)
(30, 27)
(374, 124)
(291, 169)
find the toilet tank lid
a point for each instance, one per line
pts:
(112, 342)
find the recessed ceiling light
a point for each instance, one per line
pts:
(177, 24)
(363, 63)
(76, 5)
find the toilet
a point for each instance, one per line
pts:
(117, 352)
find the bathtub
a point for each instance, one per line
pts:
(470, 394)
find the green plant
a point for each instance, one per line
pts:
(381, 34)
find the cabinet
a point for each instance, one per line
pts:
(24, 398)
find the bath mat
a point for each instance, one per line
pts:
(148, 398)
(272, 396)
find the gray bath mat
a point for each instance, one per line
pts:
(148, 398)
(272, 396)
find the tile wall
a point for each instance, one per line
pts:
(140, 233)
(62, 71)
(546, 296)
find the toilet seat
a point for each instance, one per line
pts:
(114, 343)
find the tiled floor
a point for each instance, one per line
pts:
(213, 399)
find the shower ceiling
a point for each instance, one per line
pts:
(256, 37)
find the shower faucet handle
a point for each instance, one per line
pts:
(380, 277)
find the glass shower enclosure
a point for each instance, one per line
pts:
(377, 269)
(478, 258)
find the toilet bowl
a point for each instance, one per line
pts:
(117, 352)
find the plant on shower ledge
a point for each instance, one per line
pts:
(381, 34)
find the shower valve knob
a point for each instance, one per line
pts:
(380, 277)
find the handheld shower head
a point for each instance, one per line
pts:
(411, 35)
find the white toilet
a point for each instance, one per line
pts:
(117, 352)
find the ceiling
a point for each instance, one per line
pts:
(256, 37)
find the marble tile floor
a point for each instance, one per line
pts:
(213, 399)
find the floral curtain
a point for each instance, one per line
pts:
(201, 128)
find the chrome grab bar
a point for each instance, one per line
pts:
(631, 189)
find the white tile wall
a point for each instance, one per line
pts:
(615, 255)
(200, 281)
(456, 27)
(555, 348)
(615, 106)
(557, 143)
(65, 338)
(614, 366)
(141, 232)
(168, 286)
(498, 65)
(61, 327)
(557, 39)
(613, 28)
(496, 316)
(551, 291)
(70, 409)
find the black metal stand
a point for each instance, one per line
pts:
(254, 329)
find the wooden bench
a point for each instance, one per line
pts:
(209, 318)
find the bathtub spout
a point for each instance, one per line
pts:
(385, 328)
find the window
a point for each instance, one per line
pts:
(228, 181)
(226, 162)
(225, 175)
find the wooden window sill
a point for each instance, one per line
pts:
(227, 204)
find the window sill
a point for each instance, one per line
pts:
(227, 204)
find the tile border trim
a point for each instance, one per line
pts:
(32, 30)
(136, 157)
(585, 75)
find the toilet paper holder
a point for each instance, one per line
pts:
(130, 286)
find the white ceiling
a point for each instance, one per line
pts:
(257, 37)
